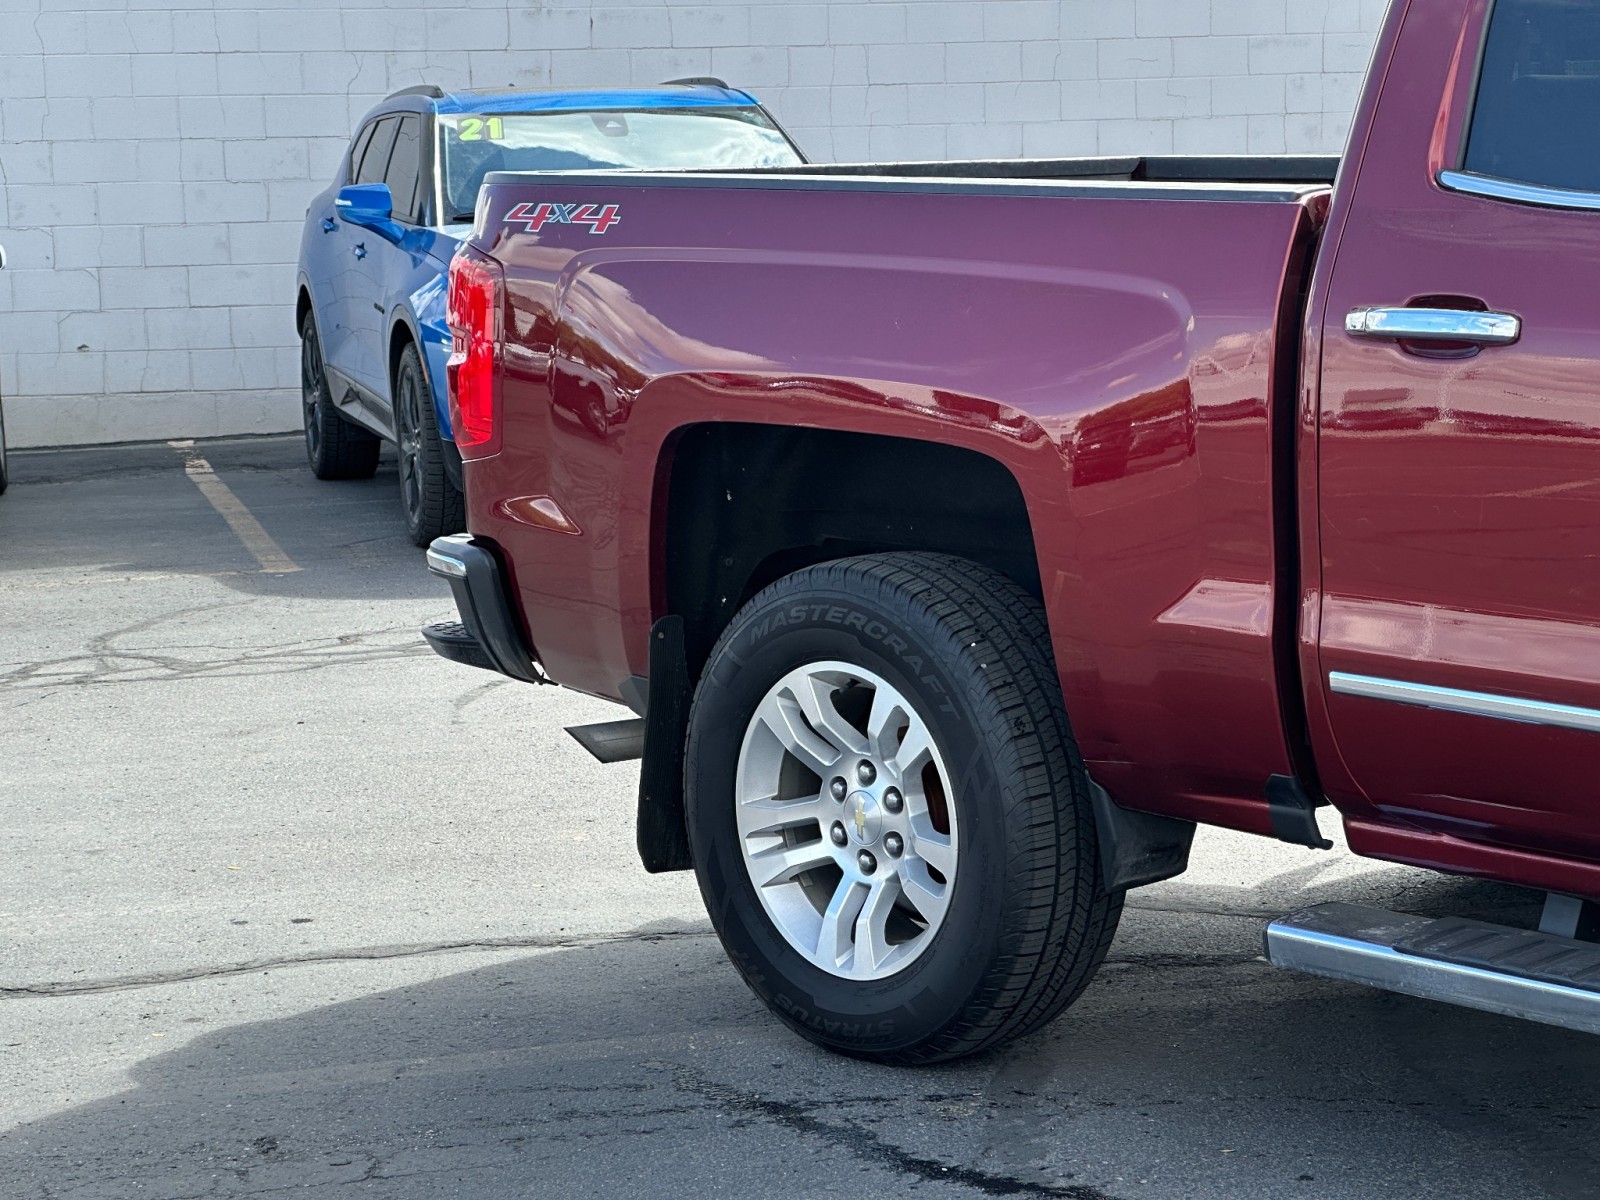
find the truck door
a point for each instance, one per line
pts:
(1459, 433)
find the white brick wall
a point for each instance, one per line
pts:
(156, 158)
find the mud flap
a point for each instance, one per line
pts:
(663, 839)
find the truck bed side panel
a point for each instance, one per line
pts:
(1116, 354)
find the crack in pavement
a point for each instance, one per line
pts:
(104, 662)
(868, 1146)
(1200, 910)
(34, 991)
(1171, 959)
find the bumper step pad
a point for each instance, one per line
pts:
(454, 641)
(1518, 972)
(488, 634)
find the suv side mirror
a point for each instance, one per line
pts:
(370, 206)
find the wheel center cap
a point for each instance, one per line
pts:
(863, 817)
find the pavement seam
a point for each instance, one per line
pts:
(864, 1144)
(35, 991)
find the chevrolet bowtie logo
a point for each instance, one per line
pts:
(861, 817)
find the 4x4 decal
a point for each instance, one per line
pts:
(536, 216)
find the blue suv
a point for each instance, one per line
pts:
(375, 255)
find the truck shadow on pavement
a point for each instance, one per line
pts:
(641, 1066)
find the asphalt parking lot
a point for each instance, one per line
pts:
(289, 903)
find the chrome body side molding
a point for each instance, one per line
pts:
(1477, 704)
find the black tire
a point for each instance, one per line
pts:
(432, 503)
(336, 448)
(1028, 921)
(5, 468)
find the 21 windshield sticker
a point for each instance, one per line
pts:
(597, 217)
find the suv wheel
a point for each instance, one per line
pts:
(335, 447)
(433, 504)
(5, 468)
(890, 821)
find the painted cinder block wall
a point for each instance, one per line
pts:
(156, 158)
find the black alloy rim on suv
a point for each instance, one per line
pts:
(409, 417)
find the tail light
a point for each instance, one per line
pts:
(473, 310)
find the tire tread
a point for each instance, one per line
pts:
(443, 507)
(345, 449)
(1060, 919)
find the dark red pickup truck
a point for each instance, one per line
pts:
(963, 533)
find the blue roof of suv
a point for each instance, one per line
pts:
(695, 95)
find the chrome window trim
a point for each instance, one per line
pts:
(1518, 193)
(1477, 704)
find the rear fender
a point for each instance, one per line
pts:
(1114, 354)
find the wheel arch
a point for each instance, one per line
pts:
(745, 504)
(718, 539)
(403, 332)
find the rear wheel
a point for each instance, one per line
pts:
(335, 447)
(433, 504)
(890, 821)
(5, 469)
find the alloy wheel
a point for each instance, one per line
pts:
(312, 387)
(408, 423)
(846, 820)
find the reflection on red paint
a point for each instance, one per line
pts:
(539, 511)
(1153, 430)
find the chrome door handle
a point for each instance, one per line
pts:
(1434, 325)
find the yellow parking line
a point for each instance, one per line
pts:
(232, 510)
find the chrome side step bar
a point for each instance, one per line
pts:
(1517, 972)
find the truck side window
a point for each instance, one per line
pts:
(405, 169)
(1537, 115)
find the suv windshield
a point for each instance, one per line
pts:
(656, 138)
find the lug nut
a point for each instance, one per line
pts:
(837, 833)
(893, 844)
(867, 863)
(893, 800)
(866, 772)
(839, 789)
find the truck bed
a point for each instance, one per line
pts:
(1108, 330)
(1172, 177)
(1172, 168)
